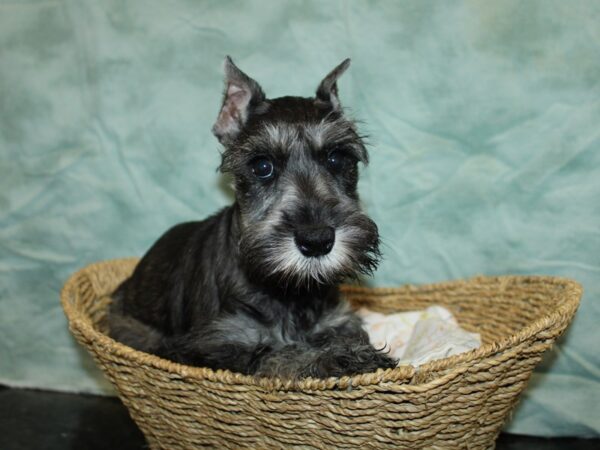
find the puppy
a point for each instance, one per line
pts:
(254, 288)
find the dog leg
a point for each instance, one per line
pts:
(345, 348)
(335, 359)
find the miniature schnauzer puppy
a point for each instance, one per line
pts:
(254, 288)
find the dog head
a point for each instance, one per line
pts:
(294, 161)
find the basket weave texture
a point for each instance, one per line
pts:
(456, 402)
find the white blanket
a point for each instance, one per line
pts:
(418, 337)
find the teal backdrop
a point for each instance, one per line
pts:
(484, 124)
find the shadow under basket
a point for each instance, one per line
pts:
(456, 402)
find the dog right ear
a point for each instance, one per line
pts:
(327, 92)
(242, 94)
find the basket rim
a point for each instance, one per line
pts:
(455, 365)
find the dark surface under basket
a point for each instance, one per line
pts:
(451, 403)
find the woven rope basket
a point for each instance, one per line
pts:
(457, 402)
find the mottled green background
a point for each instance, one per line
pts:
(484, 120)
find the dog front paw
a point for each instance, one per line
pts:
(343, 360)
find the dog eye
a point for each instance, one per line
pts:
(337, 159)
(262, 168)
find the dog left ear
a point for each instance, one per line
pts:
(327, 91)
(242, 95)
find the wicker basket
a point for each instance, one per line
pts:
(457, 402)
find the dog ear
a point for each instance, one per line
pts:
(242, 95)
(327, 91)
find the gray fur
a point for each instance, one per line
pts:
(253, 288)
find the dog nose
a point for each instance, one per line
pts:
(314, 240)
